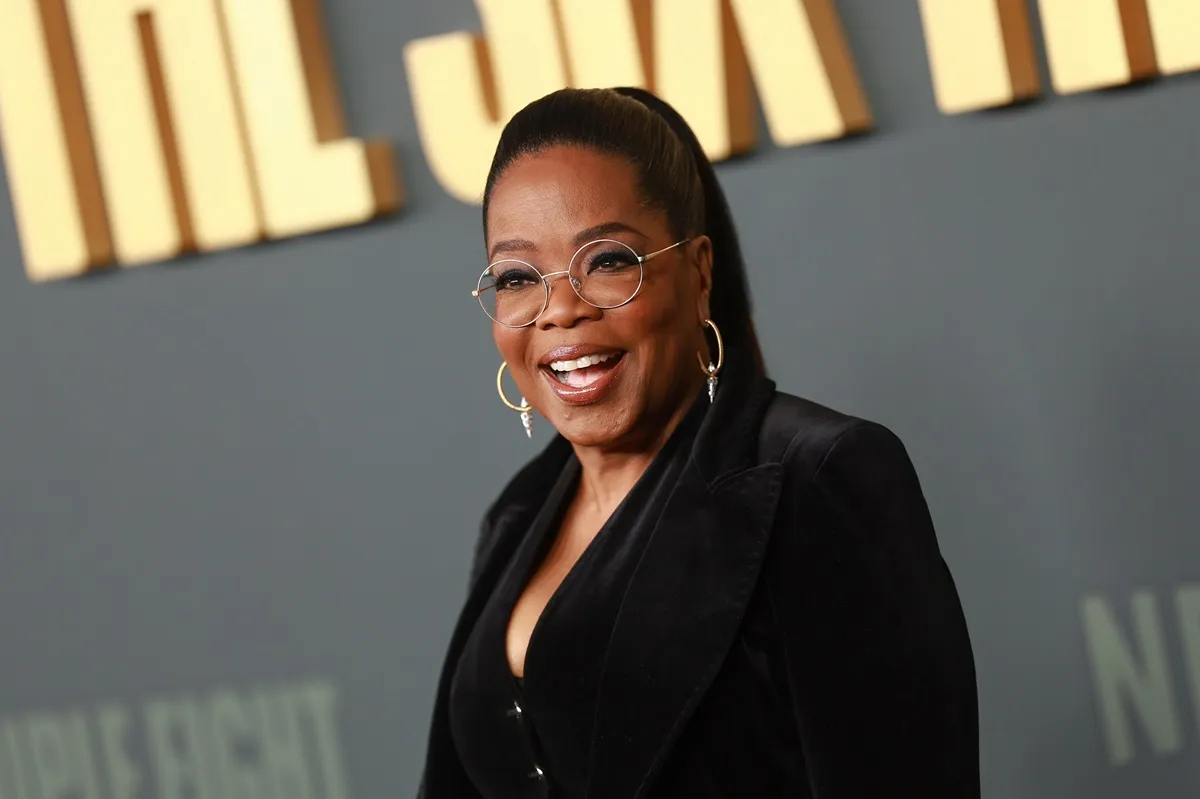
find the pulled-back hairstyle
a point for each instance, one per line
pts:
(675, 175)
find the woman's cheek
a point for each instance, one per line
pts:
(511, 345)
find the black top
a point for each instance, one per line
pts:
(532, 737)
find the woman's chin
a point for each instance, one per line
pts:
(592, 425)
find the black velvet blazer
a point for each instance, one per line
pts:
(825, 522)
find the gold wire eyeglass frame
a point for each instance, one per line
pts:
(572, 280)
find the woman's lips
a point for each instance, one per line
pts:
(601, 379)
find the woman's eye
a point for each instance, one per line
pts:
(514, 279)
(611, 260)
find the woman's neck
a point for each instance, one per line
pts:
(608, 475)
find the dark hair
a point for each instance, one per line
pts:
(676, 176)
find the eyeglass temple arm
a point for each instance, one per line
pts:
(648, 256)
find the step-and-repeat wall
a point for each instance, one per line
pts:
(247, 404)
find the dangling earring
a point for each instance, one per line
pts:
(525, 409)
(713, 369)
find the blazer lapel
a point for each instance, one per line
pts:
(687, 597)
(511, 515)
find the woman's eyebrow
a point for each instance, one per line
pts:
(510, 245)
(581, 238)
(604, 229)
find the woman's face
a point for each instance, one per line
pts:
(542, 209)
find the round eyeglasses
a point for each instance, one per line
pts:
(605, 273)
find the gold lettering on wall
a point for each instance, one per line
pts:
(1176, 27)
(140, 129)
(183, 125)
(310, 176)
(165, 126)
(980, 53)
(696, 54)
(465, 87)
(52, 172)
(1092, 44)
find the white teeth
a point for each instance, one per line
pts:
(581, 363)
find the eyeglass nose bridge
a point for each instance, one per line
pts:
(575, 282)
(576, 285)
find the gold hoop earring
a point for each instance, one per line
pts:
(525, 409)
(713, 369)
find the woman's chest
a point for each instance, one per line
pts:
(563, 555)
(546, 727)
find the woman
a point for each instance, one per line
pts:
(701, 587)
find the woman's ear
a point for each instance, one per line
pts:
(701, 261)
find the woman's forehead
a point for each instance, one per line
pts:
(558, 192)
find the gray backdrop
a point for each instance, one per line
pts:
(239, 491)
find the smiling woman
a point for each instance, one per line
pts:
(727, 592)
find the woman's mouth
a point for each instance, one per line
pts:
(586, 379)
(582, 372)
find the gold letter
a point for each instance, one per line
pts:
(980, 53)
(464, 90)
(43, 127)
(1091, 44)
(310, 176)
(1176, 26)
(602, 43)
(171, 155)
(803, 70)
(700, 68)
(796, 50)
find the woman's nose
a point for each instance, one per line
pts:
(565, 308)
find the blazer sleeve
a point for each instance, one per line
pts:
(879, 661)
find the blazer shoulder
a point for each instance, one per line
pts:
(810, 432)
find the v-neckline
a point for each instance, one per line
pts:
(548, 523)
(548, 529)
